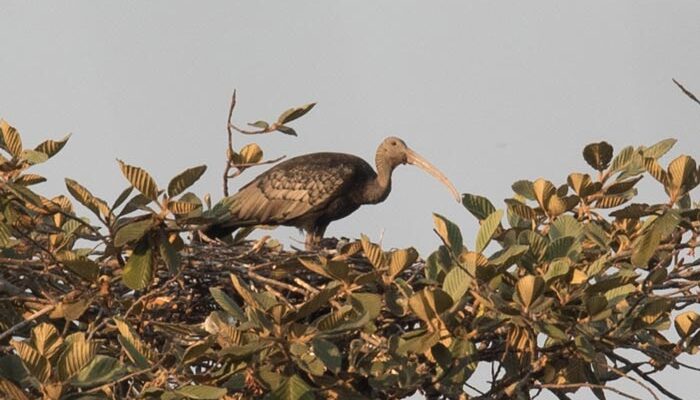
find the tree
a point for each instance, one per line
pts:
(562, 284)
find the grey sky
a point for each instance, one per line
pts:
(488, 92)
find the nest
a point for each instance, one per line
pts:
(31, 289)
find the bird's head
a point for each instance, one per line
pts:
(395, 152)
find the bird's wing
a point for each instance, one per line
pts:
(284, 194)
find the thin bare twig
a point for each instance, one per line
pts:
(27, 321)
(686, 91)
(586, 385)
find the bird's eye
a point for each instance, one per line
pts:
(393, 143)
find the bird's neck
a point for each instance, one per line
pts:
(378, 189)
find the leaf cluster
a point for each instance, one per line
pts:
(560, 286)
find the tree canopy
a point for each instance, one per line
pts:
(568, 286)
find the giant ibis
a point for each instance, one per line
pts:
(312, 190)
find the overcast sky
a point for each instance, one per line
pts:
(490, 93)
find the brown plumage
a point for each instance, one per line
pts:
(312, 190)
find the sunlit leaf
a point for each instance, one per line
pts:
(52, 147)
(687, 323)
(75, 357)
(29, 179)
(140, 179)
(449, 232)
(251, 154)
(400, 260)
(528, 289)
(373, 252)
(292, 388)
(37, 364)
(11, 140)
(46, 339)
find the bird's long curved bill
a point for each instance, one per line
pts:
(416, 159)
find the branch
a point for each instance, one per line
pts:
(27, 321)
(686, 91)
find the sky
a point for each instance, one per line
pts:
(490, 92)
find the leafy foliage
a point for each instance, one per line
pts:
(555, 296)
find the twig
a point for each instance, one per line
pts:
(686, 91)
(273, 282)
(27, 321)
(586, 385)
(642, 375)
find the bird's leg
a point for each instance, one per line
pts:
(313, 237)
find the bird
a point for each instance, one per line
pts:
(312, 190)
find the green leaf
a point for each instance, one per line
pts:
(227, 304)
(645, 246)
(657, 150)
(478, 206)
(449, 232)
(371, 303)
(456, 283)
(101, 370)
(122, 197)
(77, 355)
(329, 354)
(140, 179)
(559, 248)
(169, 255)
(622, 159)
(614, 295)
(133, 231)
(287, 130)
(138, 352)
(292, 388)
(84, 268)
(137, 202)
(598, 155)
(138, 270)
(318, 301)
(33, 157)
(294, 113)
(201, 392)
(417, 342)
(524, 188)
(565, 225)
(185, 179)
(557, 268)
(11, 140)
(487, 229)
(52, 147)
(259, 124)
